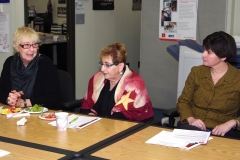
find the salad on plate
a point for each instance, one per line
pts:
(37, 108)
(9, 110)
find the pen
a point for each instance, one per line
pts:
(88, 122)
(191, 144)
(73, 120)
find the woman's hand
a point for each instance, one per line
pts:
(196, 122)
(14, 98)
(91, 114)
(222, 129)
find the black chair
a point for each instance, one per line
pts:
(171, 114)
(67, 92)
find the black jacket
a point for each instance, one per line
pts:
(46, 89)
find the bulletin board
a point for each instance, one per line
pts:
(103, 4)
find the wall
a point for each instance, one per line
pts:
(234, 12)
(100, 29)
(41, 7)
(14, 8)
(158, 68)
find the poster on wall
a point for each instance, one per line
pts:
(103, 4)
(136, 5)
(61, 1)
(178, 19)
(4, 32)
(79, 7)
(62, 12)
(4, 1)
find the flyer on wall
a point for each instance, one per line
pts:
(178, 20)
(4, 32)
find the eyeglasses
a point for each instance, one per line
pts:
(107, 64)
(27, 46)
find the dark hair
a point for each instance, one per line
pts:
(222, 44)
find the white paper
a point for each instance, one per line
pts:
(166, 138)
(14, 115)
(3, 153)
(4, 33)
(178, 20)
(186, 139)
(191, 136)
(81, 122)
(80, 7)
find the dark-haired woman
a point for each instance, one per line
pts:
(211, 97)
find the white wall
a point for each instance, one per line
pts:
(158, 68)
(13, 9)
(233, 23)
(100, 29)
(41, 7)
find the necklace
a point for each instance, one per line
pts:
(216, 78)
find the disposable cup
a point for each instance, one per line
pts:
(1, 109)
(61, 120)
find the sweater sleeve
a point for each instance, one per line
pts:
(183, 105)
(5, 82)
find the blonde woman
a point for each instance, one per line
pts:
(29, 77)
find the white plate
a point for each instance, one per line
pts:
(44, 110)
(9, 113)
(49, 119)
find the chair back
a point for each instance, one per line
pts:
(66, 86)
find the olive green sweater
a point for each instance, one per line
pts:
(213, 104)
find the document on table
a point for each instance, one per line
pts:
(185, 139)
(191, 136)
(75, 121)
(3, 153)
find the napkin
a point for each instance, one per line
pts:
(10, 115)
(22, 121)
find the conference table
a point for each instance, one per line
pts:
(24, 153)
(134, 147)
(104, 139)
(37, 136)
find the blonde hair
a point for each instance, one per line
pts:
(117, 51)
(24, 32)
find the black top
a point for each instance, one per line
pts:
(106, 102)
(46, 88)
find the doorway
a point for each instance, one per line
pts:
(70, 36)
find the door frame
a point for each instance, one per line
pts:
(71, 40)
(70, 37)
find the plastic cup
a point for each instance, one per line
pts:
(62, 120)
(1, 107)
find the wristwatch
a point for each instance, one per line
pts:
(236, 121)
(25, 102)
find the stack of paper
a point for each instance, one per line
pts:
(79, 122)
(3, 153)
(181, 138)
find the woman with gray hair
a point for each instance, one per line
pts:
(29, 77)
